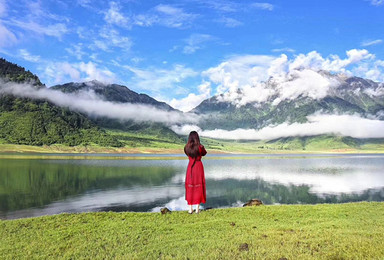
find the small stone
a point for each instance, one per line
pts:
(253, 202)
(244, 247)
(165, 211)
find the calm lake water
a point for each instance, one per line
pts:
(34, 185)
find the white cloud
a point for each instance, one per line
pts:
(263, 6)
(114, 16)
(377, 2)
(230, 22)
(55, 30)
(221, 5)
(84, 3)
(76, 50)
(7, 38)
(92, 72)
(28, 57)
(284, 50)
(192, 100)
(373, 71)
(345, 125)
(92, 104)
(306, 83)
(3, 8)
(239, 71)
(156, 79)
(248, 78)
(110, 38)
(38, 12)
(371, 42)
(165, 15)
(195, 42)
(56, 73)
(113, 38)
(185, 129)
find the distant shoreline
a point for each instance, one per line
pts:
(61, 149)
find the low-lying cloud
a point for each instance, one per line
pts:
(344, 125)
(89, 103)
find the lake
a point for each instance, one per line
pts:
(35, 185)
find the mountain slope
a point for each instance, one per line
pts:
(122, 94)
(14, 73)
(351, 96)
(112, 92)
(39, 122)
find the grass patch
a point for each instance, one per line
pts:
(135, 142)
(327, 231)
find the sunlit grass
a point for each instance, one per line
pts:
(333, 231)
(150, 144)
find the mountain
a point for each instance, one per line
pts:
(10, 72)
(349, 95)
(113, 93)
(40, 122)
(35, 121)
(122, 94)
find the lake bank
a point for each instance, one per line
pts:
(13, 148)
(323, 231)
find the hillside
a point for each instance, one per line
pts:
(14, 73)
(121, 94)
(39, 122)
(111, 92)
(351, 96)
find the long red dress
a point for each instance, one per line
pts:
(195, 192)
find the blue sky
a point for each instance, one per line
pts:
(185, 51)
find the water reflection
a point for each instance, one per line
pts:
(54, 186)
(33, 187)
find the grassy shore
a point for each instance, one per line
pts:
(328, 231)
(228, 147)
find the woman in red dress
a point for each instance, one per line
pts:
(195, 192)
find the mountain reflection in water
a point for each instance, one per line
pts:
(33, 187)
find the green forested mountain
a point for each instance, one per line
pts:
(113, 93)
(39, 122)
(122, 94)
(12, 72)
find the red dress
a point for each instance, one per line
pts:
(195, 192)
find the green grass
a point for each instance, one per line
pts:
(134, 142)
(327, 231)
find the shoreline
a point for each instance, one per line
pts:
(60, 149)
(186, 210)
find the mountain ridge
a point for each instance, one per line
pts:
(352, 95)
(39, 122)
(112, 92)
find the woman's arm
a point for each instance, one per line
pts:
(202, 150)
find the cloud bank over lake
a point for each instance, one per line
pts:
(344, 125)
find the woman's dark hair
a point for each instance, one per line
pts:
(192, 147)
